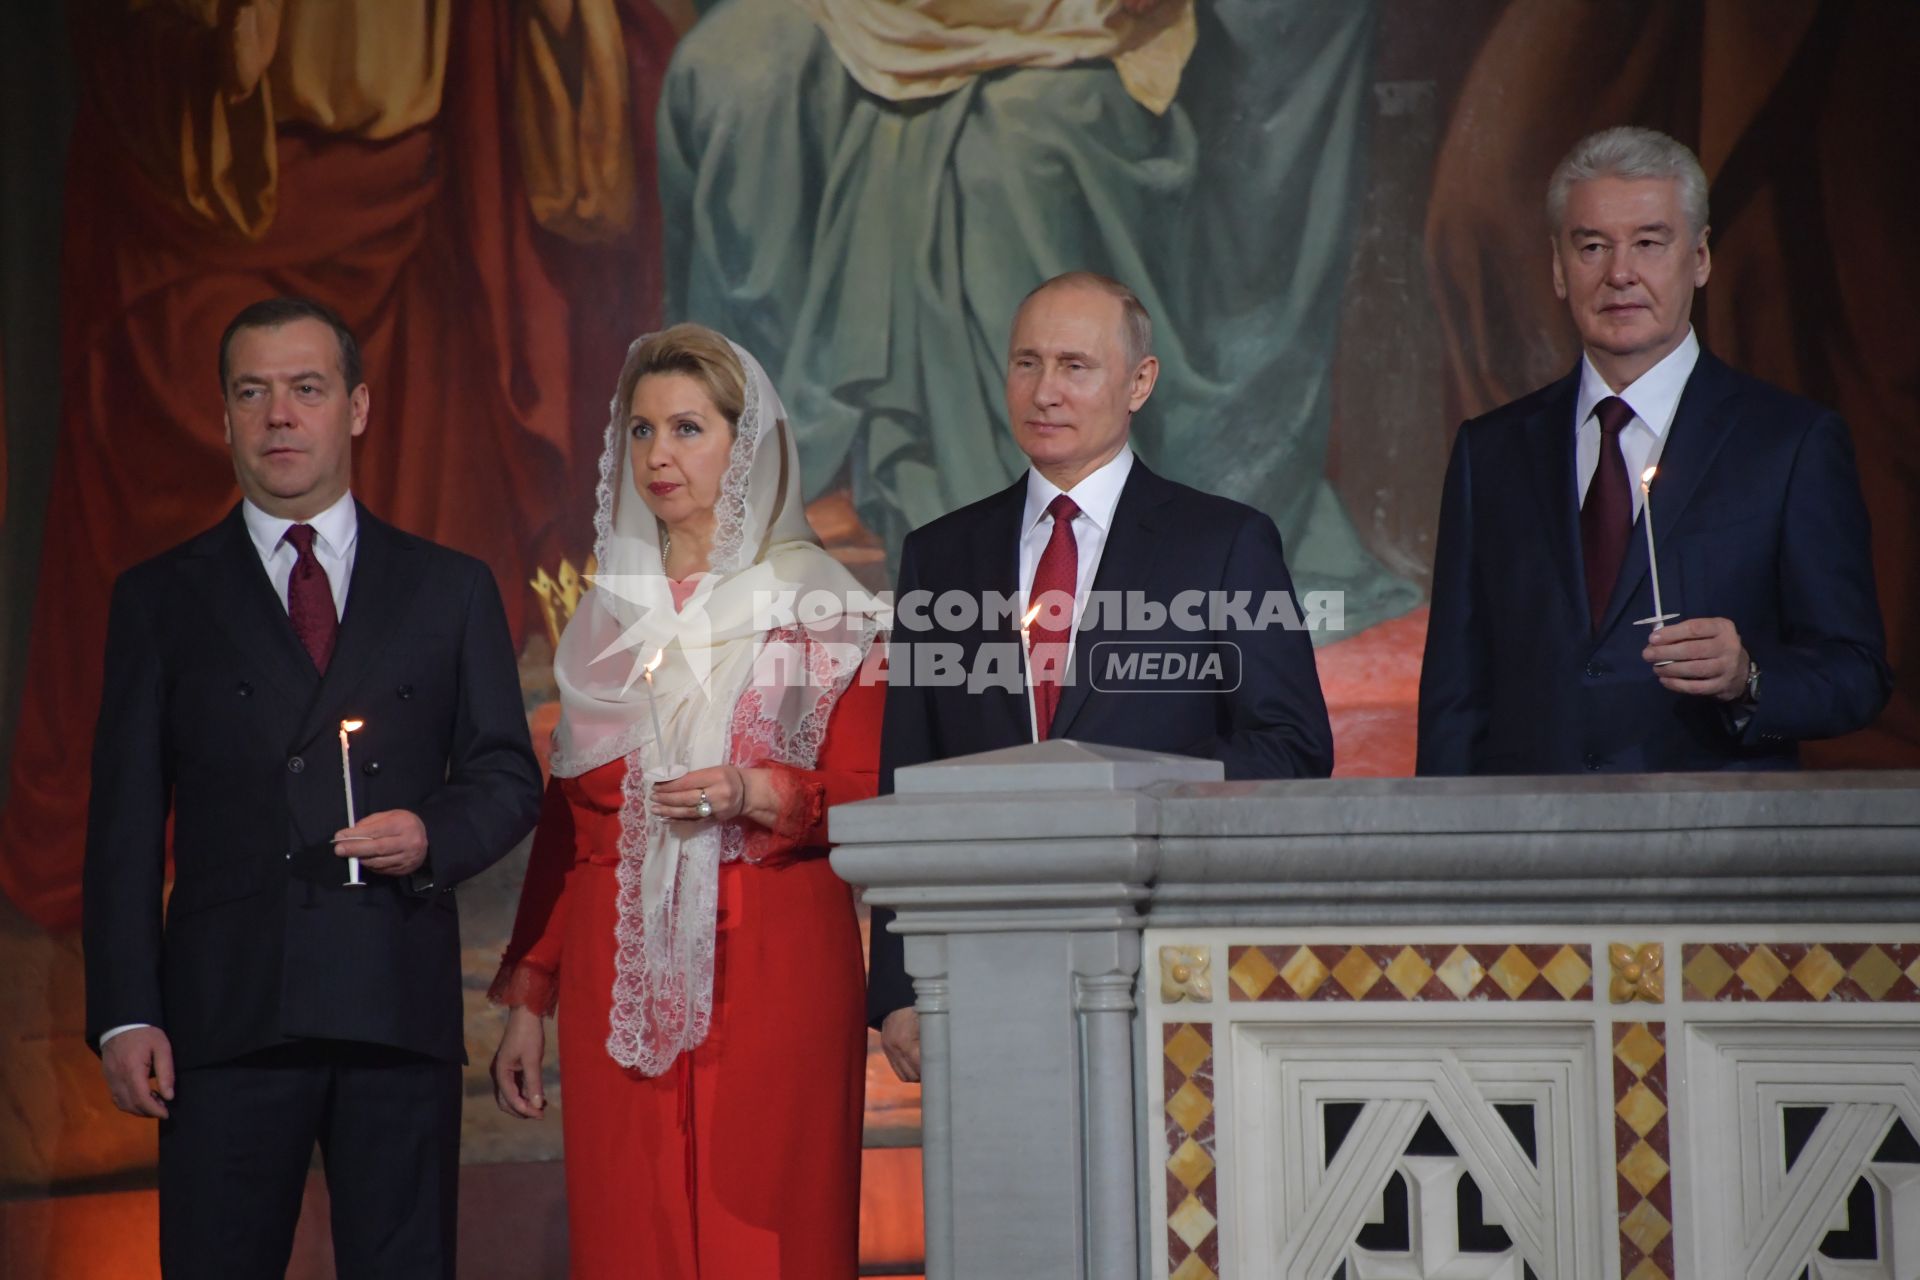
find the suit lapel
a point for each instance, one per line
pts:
(1694, 439)
(384, 579)
(241, 601)
(1127, 563)
(994, 555)
(1550, 441)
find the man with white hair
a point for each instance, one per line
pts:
(1548, 650)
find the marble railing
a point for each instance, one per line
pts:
(1563, 1028)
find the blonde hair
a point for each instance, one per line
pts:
(693, 350)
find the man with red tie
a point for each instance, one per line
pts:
(1156, 616)
(278, 1006)
(1543, 653)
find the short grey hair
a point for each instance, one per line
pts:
(1137, 333)
(1628, 152)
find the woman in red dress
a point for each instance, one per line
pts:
(678, 908)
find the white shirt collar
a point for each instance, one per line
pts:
(335, 528)
(1096, 495)
(1654, 396)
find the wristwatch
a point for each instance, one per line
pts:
(1753, 682)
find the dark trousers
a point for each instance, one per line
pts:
(235, 1151)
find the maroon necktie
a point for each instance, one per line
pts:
(310, 599)
(1054, 580)
(1606, 517)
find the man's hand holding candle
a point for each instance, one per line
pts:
(1703, 656)
(390, 843)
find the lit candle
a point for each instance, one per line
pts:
(1653, 564)
(346, 781)
(659, 739)
(1026, 646)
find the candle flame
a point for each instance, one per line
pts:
(349, 726)
(1646, 477)
(657, 659)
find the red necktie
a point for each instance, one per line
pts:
(1606, 517)
(310, 599)
(1054, 580)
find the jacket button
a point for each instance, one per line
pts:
(296, 764)
(1595, 669)
(1593, 762)
(371, 768)
(244, 689)
(405, 691)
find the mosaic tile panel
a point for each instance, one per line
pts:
(1643, 1150)
(1393, 972)
(1802, 972)
(1193, 1234)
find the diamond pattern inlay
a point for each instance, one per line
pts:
(1640, 1109)
(1643, 1167)
(1646, 1226)
(1192, 1222)
(1820, 973)
(1875, 973)
(1409, 973)
(1514, 972)
(1303, 972)
(1193, 1269)
(1191, 1164)
(1803, 972)
(1356, 973)
(1187, 1049)
(1639, 1049)
(1642, 1151)
(1252, 973)
(1189, 1106)
(1460, 972)
(1567, 973)
(1192, 1196)
(1763, 972)
(1707, 974)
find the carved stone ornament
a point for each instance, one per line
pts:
(1186, 973)
(1639, 973)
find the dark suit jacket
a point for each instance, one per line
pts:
(213, 714)
(1757, 518)
(1166, 539)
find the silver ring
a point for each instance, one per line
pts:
(705, 807)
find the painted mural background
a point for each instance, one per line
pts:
(1332, 208)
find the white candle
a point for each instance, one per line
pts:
(346, 781)
(1653, 564)
(1026, 648)
(660, 739)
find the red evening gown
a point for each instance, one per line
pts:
(742, 1162)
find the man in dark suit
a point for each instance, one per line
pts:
(1128, 584)
(1543, 653)
(278, 1005)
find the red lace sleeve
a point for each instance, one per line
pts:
(528, 972)
(848, 769)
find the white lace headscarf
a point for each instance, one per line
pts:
(730, 689)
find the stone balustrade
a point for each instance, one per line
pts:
(1633, 1027)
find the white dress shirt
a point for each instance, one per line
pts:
(336, 536)
(1096, 495)
(1653, 397)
